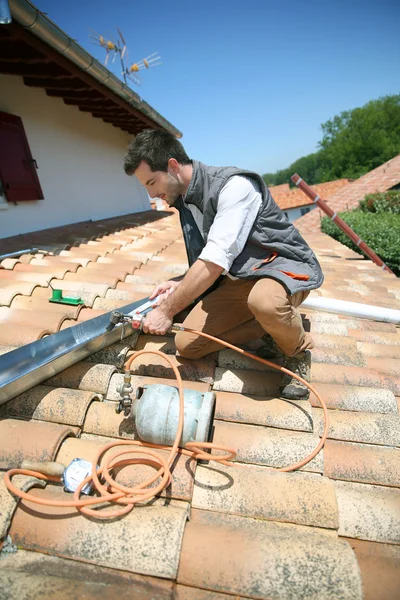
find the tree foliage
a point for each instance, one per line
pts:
(353, 143)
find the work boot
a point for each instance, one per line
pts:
(269, 349)
(290, 388)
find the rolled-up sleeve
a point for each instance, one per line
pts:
(238, 205)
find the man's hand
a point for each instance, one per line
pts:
(157, 322)
(163, 290)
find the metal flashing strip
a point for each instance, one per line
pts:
(29, 365)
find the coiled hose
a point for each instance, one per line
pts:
(113, 492)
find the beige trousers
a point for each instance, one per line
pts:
(239, 311)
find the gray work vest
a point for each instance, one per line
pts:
(274, 247)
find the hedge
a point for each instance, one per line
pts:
(379, 230)
(384, 202)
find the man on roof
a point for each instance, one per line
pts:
(249, 265)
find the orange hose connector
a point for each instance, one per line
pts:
(113, 492)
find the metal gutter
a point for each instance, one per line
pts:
(29, 365)
(19, 253)
(27, 15)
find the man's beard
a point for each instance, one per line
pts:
(173, 191)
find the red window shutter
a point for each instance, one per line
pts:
(17, 167)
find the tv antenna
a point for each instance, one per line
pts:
(117, 47)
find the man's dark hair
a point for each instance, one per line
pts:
(155, 147)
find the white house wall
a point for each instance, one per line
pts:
(295, 213)
(79, 159)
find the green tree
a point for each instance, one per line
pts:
(360, 140)
(353, 143)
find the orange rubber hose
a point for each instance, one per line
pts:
(112, 492)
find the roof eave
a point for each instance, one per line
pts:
(35, 22)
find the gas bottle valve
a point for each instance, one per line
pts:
(125, 390)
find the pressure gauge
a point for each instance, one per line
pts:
(75, 473)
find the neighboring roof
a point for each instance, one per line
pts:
(35, 48)
(331, 530)
(287, 198)
(381, 179)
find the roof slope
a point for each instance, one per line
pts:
(287, 198)
(331, 530)
(380, 179)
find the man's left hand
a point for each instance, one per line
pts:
(157, 322)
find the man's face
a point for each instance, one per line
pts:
(159, 184)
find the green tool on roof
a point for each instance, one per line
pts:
(57, 296)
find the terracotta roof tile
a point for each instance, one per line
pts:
(110, 262)
(359, 376)
(33, 440)
(267, 446)
(376, 558)
(246, 382)
(158, 528)
(33, 276)
(80, 255)
(264, 494)
(131, 288)
(391, 366)
(379, 350)
(54, 270)
(151, 278)
(21, 586)
(201, 370)
(262, 410)
(109, 270)
(368, 512)
(163, 343)
(339, 357)
(391, 339)
(86, 275)
(356, 398)
(56, 405)
(369, 428)
(90, 313)
(265, 560)
(116, 353)
(8, 502)
(72, 262)
(113, 581)
(287, 198)
(84, 376)
(5, 349)
(10, 289)
(185, 592)
(50, 321)
(21, 335)
(362, 463)
(101, 419)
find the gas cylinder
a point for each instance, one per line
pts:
(156, 414)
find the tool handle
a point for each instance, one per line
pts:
(54, 469)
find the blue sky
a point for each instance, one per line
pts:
(249, 83)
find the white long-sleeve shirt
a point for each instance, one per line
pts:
(238, 205)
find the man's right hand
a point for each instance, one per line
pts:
(163, 290)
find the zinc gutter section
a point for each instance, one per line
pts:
(27, 15)
(29, 365)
